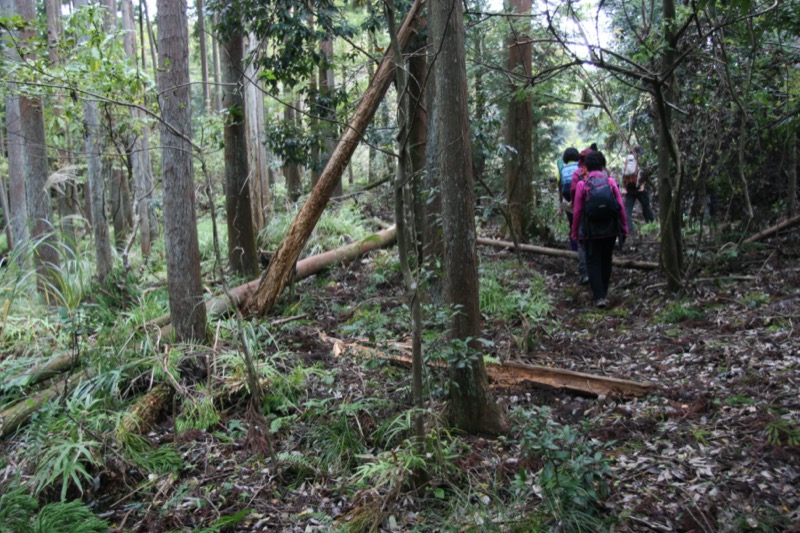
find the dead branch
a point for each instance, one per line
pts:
(620, 262)
(769, 232)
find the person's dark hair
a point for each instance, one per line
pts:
(595, 161)
(570, 154)
(593, 146)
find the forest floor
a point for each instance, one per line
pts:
(715, 445)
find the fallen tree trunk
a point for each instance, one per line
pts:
(620, 262)
(21, 412)
(773, 230)
(280, 268)
(307, 267)
(55, 365)
(508, 374)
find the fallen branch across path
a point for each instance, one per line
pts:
(773, 230)
(509, 374)
(555, 252)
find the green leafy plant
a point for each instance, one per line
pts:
(781, 432)
(19, 513)
(574, 474)
(66, 460)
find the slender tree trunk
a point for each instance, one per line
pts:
(792, 147)
(18, 215)
(139, 148)
(519, 123)
(66, 205)
(202, 38)
(217, 76)
(472, 407)
(433, 238)
(401, 209)
(180, 223)
(327, 88)
(120, 203)
(259, 180)
(40, 212)
(418, 132)
(4, 198)
(671, 252)
(241, 235)
(97, 190)
(151, 38)
(291, 170)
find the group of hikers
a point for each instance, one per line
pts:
(593, 204)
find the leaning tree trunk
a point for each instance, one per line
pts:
(472, 407)
(289, 250)
(242, 254)
(180, 223)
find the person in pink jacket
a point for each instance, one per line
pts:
(598, 219)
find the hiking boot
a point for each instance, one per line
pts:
(601, 303)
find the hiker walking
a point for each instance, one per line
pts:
(634, 188)
(598, 219)
(570, 160)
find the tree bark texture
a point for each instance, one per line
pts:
(519, 124)
(40, 212)
(120, 196)
(472, 406)
(256, 125)
(289, 250)
(104, 258)
(669, 194)
(202, 38)
(180, 224)
(433, 241)
(16, 172)
(242, 253)
(327, 87)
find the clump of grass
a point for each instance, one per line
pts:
(679, 312)
(336, 227)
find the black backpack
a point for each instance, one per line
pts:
(601, 209)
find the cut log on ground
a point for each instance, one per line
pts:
(21, 412)
(236, 297)
(555, 252)
(509, 374)
(143, 415)
(280, 267)
(769, 232)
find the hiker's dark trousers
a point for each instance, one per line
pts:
(599, 253)
(631, 195)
